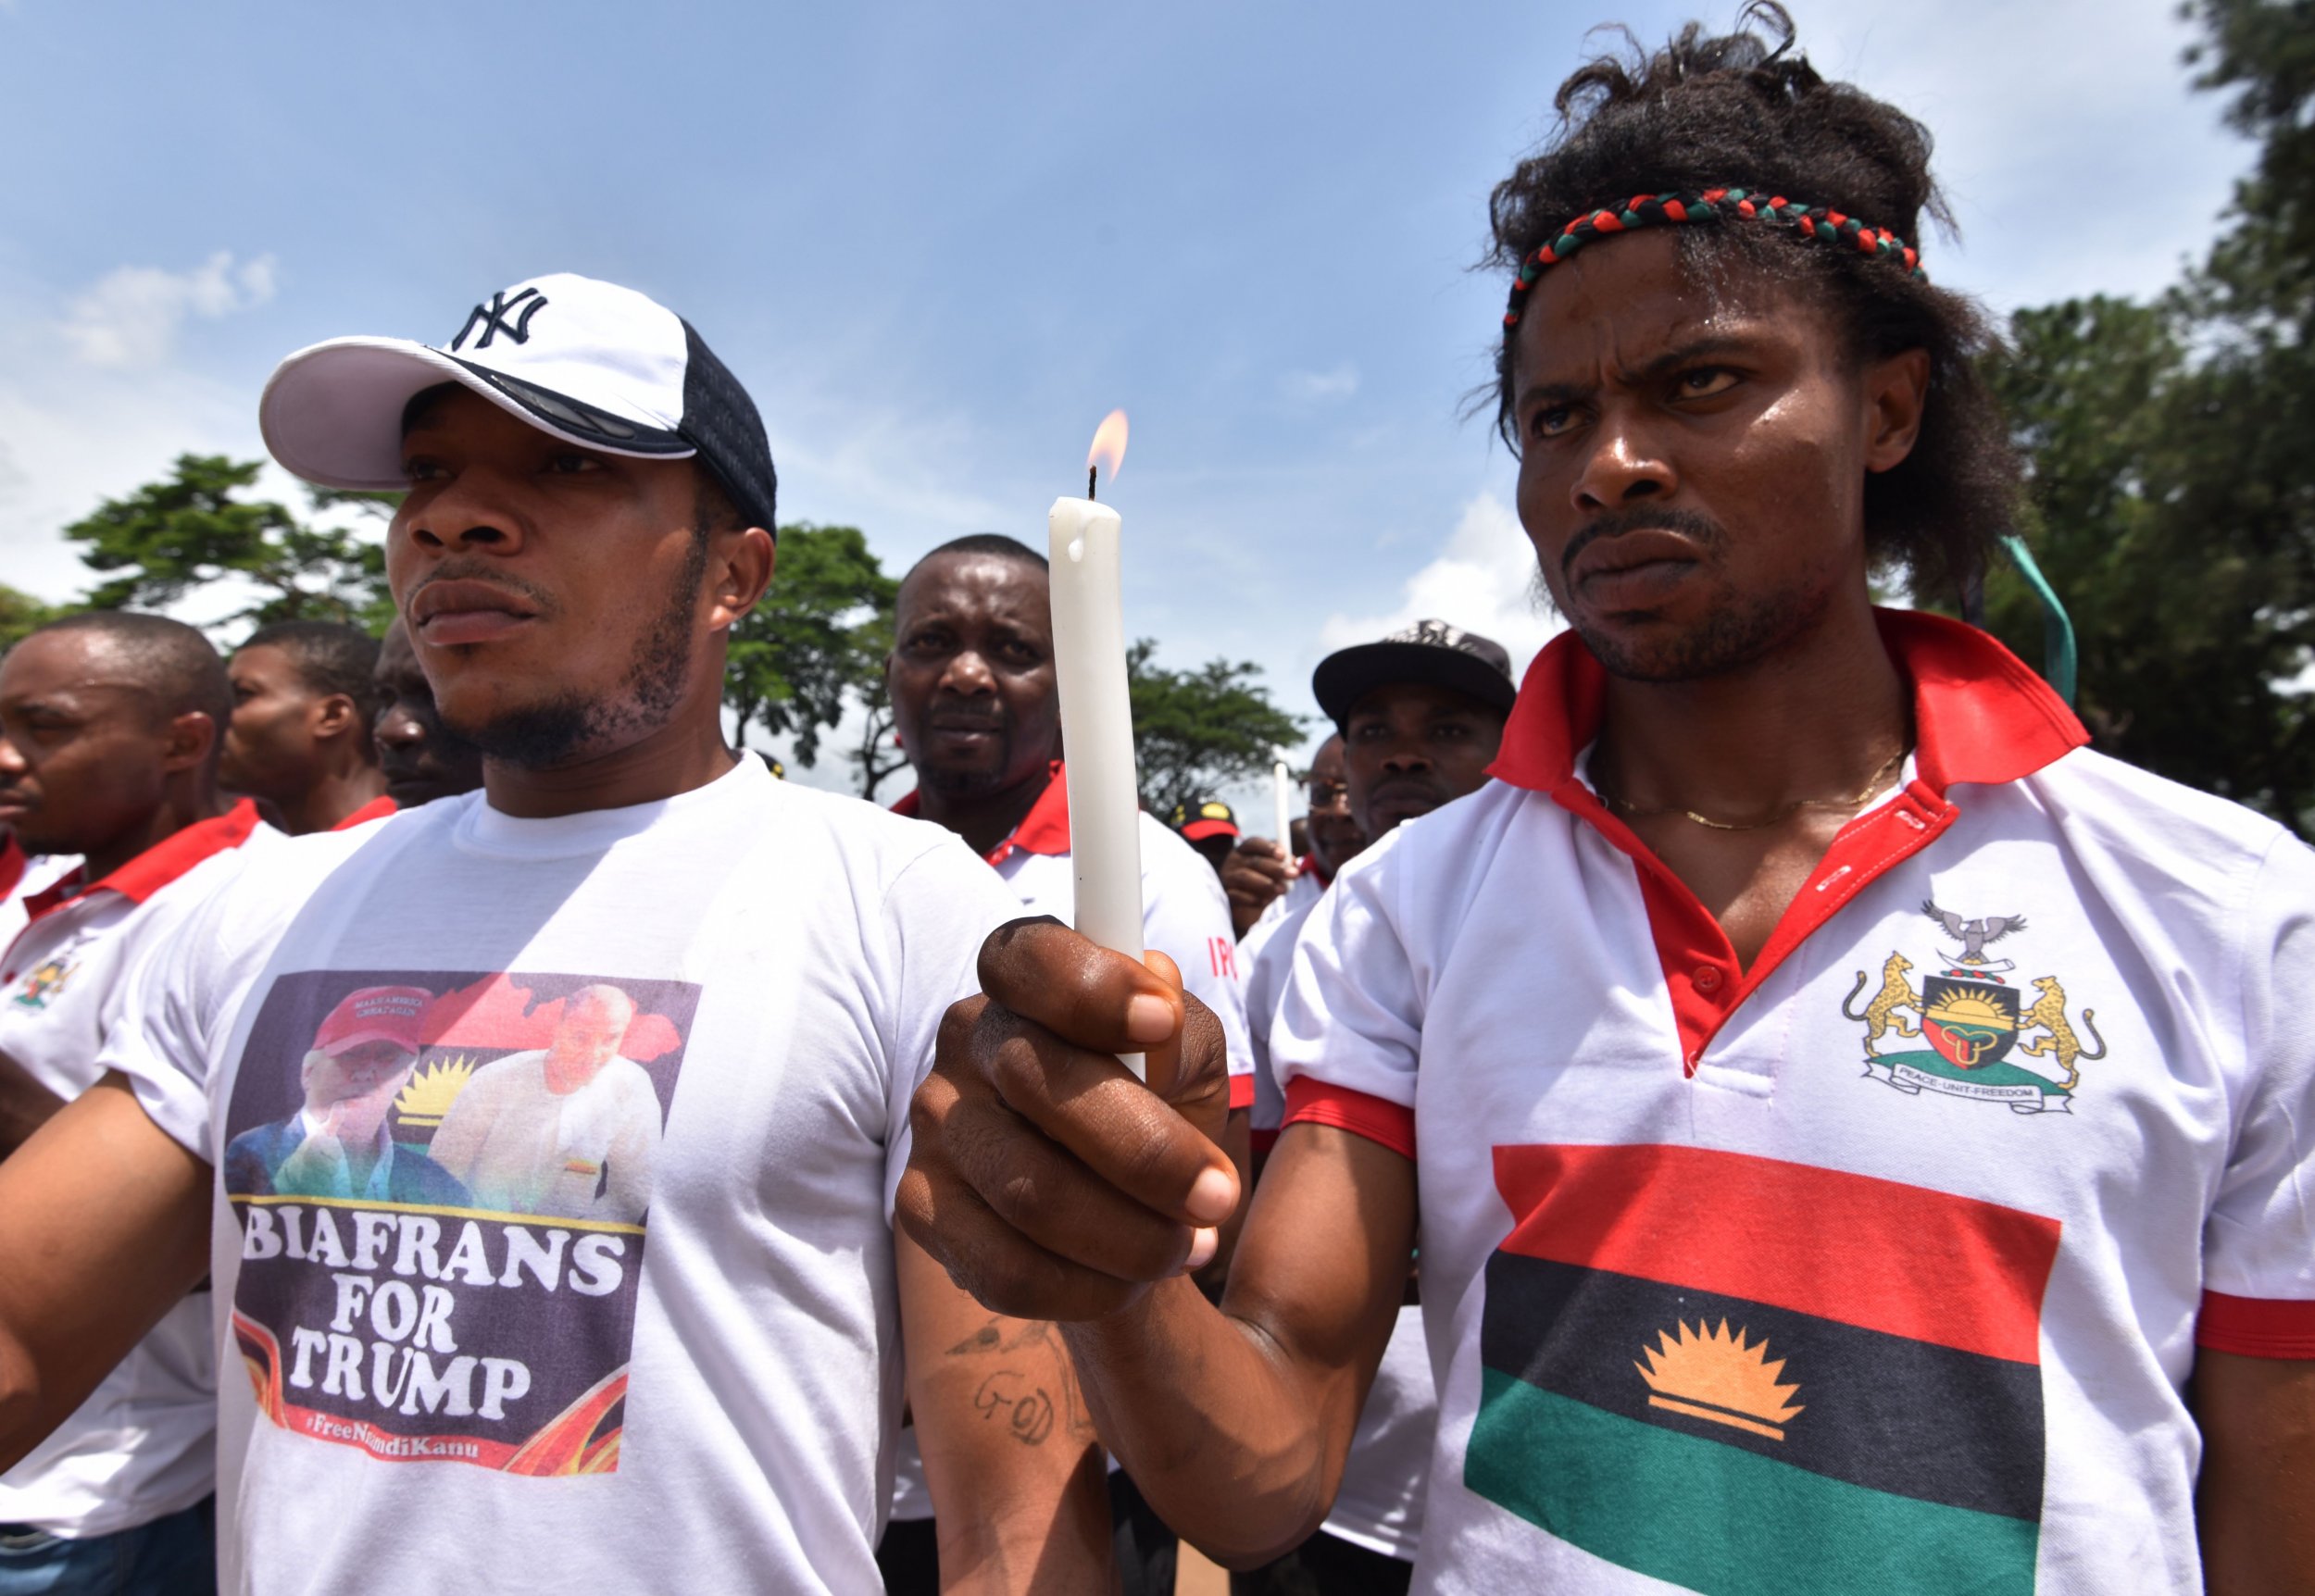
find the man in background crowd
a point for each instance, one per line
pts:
(1421, 714)
(109, 726)
(973, 698)
(1209, 827)
(304, 700)
(420, 758)
(1268, 879)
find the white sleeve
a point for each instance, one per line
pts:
(1186, 916)
(940, 908)
(2259, 1245)
(176, 1012)
(1348, 1035)
(1265, 983)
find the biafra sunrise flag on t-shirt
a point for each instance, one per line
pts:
(1739, 1374)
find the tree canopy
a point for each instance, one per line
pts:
(195, 527)
(22, 613)
(2170, 453)
(1196, 731)
(814, 646)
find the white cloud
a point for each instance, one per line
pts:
(1313, 387)
(129, 318)
(77, 433)
(2081, 99)
(1482, 581)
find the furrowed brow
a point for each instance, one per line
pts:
(1688, 353)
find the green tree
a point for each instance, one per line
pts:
(815, 645)
(877, 754)
(22, 613)
(2171, 449)
(198, 527)
(1197, 731)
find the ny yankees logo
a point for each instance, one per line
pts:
(493, 317)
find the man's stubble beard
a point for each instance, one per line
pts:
(1737, 632)
(973, 784)
(560, 730)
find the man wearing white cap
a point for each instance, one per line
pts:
(701, 1393)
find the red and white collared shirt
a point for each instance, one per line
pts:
(141, 1446)
(1877, 1264)
(21, 876)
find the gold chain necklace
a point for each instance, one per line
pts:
(1872, 789)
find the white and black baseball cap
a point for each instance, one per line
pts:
(591, 362)
(1430, 651)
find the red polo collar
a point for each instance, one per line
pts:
(1311, 865)
(1979, 712)
(1045, 829)
(12, 864)
(378, 808)
(1980, 716)
(158, 865)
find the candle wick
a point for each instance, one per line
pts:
(1093, 475)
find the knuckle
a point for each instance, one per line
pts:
(928, 1117)
(1015, 1068)
(960, 1023)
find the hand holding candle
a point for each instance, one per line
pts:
(1096, 716)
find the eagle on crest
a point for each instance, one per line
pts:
(1974, 934)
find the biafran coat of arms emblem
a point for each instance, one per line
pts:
(1982, 1038)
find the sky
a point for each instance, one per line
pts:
(939, 243)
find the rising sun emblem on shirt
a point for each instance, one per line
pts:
(1984, 1040)
(1713, 1375)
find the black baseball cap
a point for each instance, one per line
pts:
(590, 362)
(1430, 651)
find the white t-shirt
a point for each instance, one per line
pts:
(139, 1448)
(1379, 1503)
(1185, 915)
(1879, 1265)
(702, 1397)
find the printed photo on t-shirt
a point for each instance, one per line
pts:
(443, 1181)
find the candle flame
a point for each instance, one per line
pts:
(1109, 445)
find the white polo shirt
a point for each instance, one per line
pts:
(1185, 915)
(422, 1387)
(140, 1447)
(1379, 1503)
(1879, 1265)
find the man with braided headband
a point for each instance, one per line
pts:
(2004, 1282)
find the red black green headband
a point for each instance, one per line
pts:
(1710, 205)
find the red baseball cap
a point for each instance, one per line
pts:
(1210, 817)
(376, 1013)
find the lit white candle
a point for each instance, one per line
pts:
(1281, 781)
(1097, 715)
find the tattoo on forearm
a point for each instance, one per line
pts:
(1030, 1410)
(1028, 1413)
